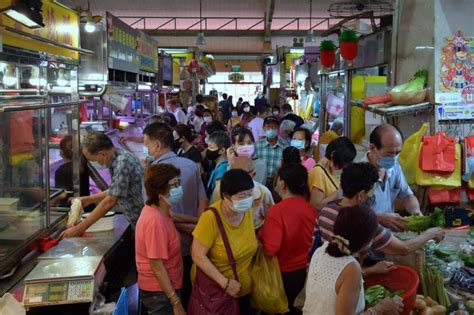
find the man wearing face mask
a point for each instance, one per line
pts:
(217, 153)
(271, 148)
(358, 183)
(127, 174)
(158, 138)
(385, 146)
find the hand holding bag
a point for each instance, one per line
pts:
(207, 296)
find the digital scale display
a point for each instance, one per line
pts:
(59, 292)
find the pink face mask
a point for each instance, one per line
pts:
(245, 150)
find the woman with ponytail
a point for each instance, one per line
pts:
(288, 229)
(334, 284)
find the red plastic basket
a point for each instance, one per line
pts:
(403, 278)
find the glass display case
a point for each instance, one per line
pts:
(39, 155)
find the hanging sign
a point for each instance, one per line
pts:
(61, 26)
(148, 52)
(122, 41)
(119, 101)
(236, 77)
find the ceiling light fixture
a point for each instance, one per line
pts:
(90, 25)
(201, 40)
(310, 38)
(26, 12)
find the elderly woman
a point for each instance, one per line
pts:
(302, 141)
(208, 250)
(335, 265)
(324, 178)
(158, 243)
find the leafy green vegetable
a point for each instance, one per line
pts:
(417, 83)
(377, 293)
(417, 223)
(468, 260)
(348, 35)
(327, 45)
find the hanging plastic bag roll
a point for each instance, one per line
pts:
(75, 212)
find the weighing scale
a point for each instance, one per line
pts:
(64, 281)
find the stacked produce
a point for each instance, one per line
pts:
(411, 92)
(377, 293)
(426, 305)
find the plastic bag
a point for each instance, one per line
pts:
(268, 293)
(439, 194)
(409, 161)
(452, 180)
(438, 154)
(335, 105)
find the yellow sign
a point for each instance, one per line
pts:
(236, 77)
(289, 59)
(176, 68)
(62, 26)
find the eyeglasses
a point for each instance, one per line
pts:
(175, 185)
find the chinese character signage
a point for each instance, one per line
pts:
(148, 52)
(122, 41)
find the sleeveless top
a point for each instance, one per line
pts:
(323, 273)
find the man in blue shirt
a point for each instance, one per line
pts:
(385, 146)
(224, 106)
(217, 152)
(158, 141)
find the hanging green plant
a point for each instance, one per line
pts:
(327, 45)
(348, 35)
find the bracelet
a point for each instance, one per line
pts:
(227, 285)
(372, 311)
(176, 301)
(173, 294)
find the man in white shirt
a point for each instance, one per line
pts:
(256, 124)
(174, 108)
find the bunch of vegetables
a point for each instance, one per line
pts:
(417, 83)
(432, 285)
(377, 293)
(422, 223)
(426, 305)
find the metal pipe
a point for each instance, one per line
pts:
(5, 109)
(46, 157)
(347, 101)
(322, 106)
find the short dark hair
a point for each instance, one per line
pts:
(263, 109)
(274, 108)
(215, 126)
(235, 181)
(239, 133)
(307, 136)
(168, 119)
(199, 110)
(220, 138)
(224, 96)
(295, 177)
(357, 177)
(356, 224)
(66, 147)
(184, 131)
(161, 132)
(199, 98)
(97, 141)
(286, 108)
(341, 151)
(245, 104)
(156, 180)
(240, 99)
(290, 155)
(375, 137)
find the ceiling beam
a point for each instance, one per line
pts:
(270, 8)
(225, 33)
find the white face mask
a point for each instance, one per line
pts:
(97, 165)
(242, 205)
(207, 119)
(246, 109)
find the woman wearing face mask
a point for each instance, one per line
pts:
(246, 108)
(335, 265)
(208, 251)
(276, 111)
(158, 243)
(302, 141)
(183, 142)
(234, 119)
(288, 229)
(324, 178)
(216, 152)
(244, 145)
(207, 119)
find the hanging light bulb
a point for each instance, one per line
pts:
(310, 36)
(9, 77)
(200, 40)
(90, 26)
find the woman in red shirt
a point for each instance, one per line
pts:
(288, 229)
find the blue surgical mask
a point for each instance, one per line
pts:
(242, 205)
(176, 194)
(388, 162)
(271, 133)
(147, 155)
(97, 165)
(299, 144)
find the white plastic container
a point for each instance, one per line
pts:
(8, 204)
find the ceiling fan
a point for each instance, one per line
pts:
(351, 8)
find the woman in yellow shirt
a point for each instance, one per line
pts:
(324, 178)
(208, 250)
